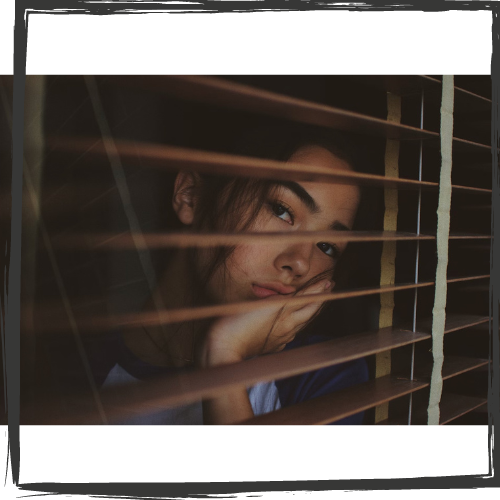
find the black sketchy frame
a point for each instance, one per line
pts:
(10, 324)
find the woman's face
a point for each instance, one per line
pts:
(256, 271)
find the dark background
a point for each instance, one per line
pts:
(79, 195)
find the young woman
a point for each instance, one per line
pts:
(249, 272)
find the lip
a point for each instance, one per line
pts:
(263, 290)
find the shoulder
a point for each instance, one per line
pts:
(326, 380)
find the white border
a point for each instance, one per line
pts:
(257, 453)
(315, 42)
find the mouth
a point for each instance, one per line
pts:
(263, 290)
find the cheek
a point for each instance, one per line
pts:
(248, 261)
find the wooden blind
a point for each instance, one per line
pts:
(107, 147)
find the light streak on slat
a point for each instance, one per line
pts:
(232, 95)
(125, 240)
(176, 158)
(157, 318)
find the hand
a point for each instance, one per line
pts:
(234, 338)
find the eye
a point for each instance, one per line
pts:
(328, 249)
(282, 211)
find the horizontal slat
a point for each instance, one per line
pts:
(338, 405)
(170, 157)
(486, 327)
(463, 236)
(403, 85)
(121, 241)
(49, 324)
(397, 84)
(341, 404)
(470, 189)
(457, 322)
(190, 386)
(233, 95)
(461, 146)
(454, 322)
(452, 366)
(464, 144)
(481, 409)
(467, 278)
(472, 99)
(127, 240)
(451, 407)
(187, 387)
(216, 91)
(48, 314)
(176, 158)
(414, 84)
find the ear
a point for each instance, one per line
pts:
(184, 197)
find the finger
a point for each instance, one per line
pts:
(301, 320)
(320, 287)
(305, 313)
(323, 286)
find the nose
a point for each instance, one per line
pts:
(295, 260)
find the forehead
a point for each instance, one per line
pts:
(334, 200)
(319, 156)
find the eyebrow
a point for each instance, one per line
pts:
(309, 202)
(302, 194)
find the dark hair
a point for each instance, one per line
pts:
(221, 200)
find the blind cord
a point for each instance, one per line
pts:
(417, 257)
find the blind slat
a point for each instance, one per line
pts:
(187, 387)
(406, 85)
(463, 144)
(338, 405)
(172, 316)
(451, 407)
(190, 386)
(452, 366)
(454, 322)
(120, 241)
(216, 91)
(49, 322)
(171, 157)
